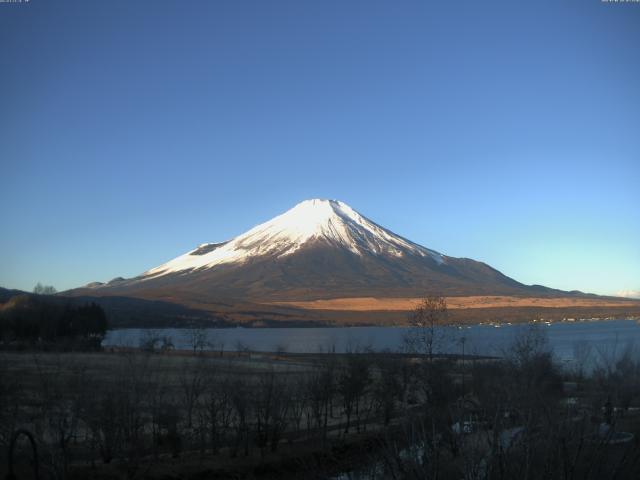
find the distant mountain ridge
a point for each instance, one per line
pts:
(318, 249)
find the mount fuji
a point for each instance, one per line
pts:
(319, 249)
(321, 263)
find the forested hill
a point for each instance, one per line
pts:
(122, 311)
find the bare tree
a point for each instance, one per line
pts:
(388, 388)
(216, 341)
(198, 339)
(132, 392)
(270, 410)
(192, 384)
(425, 334)
(150, 341)
(299, 393)
(40, 289)
(61, 391)
(529, 343)
(242, 403)
(10, 403)
(218, 409)
(101, 416)
(582, 352)
(353, 381)
(321, 386)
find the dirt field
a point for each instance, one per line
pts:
(363, 304)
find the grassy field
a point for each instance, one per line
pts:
(395, 311)
(163, 405)
(407, 304)
(179, 415)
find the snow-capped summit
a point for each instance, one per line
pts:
(311, 221)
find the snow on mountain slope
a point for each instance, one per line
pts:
(328, 221)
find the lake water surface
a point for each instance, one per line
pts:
(604, 339)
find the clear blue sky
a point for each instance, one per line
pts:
(508, 132)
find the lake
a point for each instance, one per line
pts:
(603, 339)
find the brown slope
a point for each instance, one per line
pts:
(320, 271)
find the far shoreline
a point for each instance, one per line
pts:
(263, 325)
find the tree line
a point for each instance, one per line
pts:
(41, 319)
